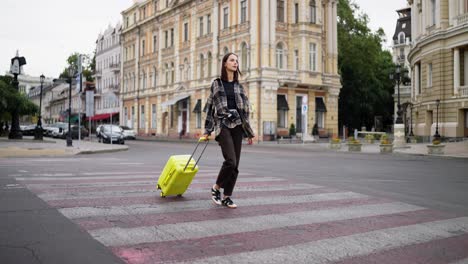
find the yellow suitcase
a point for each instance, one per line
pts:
(178, 173)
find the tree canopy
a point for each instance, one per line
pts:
(11, 99)
(89, 65)
(364, 68)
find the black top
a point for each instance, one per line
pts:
(231, 99)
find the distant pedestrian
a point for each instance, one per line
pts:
(227, 111)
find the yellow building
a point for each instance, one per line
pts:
(171, 52)
(439, 59)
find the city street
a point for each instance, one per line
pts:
(296, 205)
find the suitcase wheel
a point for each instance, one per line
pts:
(162, 195)
(158, 187)
(179, 195)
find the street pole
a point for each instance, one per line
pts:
(411, 121)
(15, 69)
(436, 135)
(69, 136)
(39, 133)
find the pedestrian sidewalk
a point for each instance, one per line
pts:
(28, 147)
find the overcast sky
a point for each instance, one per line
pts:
(46, 32)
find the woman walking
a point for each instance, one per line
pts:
(227, 111)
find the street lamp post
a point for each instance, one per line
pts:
(397, 78)
(436, 135)
(39, 134)
(15, 69)
(399, 127)
(411, 121)
(71, 73)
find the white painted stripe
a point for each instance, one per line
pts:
(136, 183)
(116, 236)
(127, 175)
(139, 209)
(340, 248)
(143, 193)
(69, 176)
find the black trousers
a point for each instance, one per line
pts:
(230, 140)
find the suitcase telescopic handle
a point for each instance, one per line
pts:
(202, 139)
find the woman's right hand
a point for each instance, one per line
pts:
(205, 137)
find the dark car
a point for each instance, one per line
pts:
(74, 133)
(111, 133)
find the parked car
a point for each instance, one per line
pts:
(59, 129)
(74, 132)
(128, 132)
(108, 133)
(28, 130)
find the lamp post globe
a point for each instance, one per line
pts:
(39, 132)
(71, 74)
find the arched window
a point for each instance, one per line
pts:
(401, 38)
(225, 51)
(312, 11)
(210, 61)
(155, 77)
(279, 55)
(280, 10)
(244, 57)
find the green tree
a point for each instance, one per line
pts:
(89, 65)
(364, 68)
(11, 99)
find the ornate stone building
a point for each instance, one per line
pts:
(439, 59)
(171, 52)
(107, 75)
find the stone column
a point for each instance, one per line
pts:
(416, 79)
(456, 70)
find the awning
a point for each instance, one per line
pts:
(282, 103)
(197, 108)
(101, 116)
(174, 100)
(320, 105)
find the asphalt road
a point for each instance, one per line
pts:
(102, 208)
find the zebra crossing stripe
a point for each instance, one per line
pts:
(340, 248)
(189, 230)
(140, 209)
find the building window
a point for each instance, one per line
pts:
(208, 24)
(225, 17)
(312, 56)
(433, 12)
(244, 56)
(134, 18)
(155, 78)
(201, 67)
(172, 37)
(166, 38)
(154, 44)
(210, 61)
(296, 60)
(185, 32)
(153, 116)
(144, 12)
(401, 38)
(143, 48)
(280, 10)
(199, 119)
(429, 75)
(243, 11)
(128, 22)
(225, 51)
(133, 117)
(313, 11)
(200, 19)
(296, 13)
(279, 56)
(166, 69)
(142, 117)
(172, 72)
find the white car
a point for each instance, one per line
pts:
(128, 132)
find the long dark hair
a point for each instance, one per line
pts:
(224, 71)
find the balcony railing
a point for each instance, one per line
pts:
(115, 87)
(115, 66)
(463, 91)
(463, 18)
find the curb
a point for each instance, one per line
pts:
(85, 152)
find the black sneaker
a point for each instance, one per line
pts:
(229, 203)
(216, 196)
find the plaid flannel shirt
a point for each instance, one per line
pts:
(216, 110)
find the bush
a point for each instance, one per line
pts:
(436, 141)
(335, 140)
(384, 139)
(352, 140)
(369, 137)
(292, 130)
